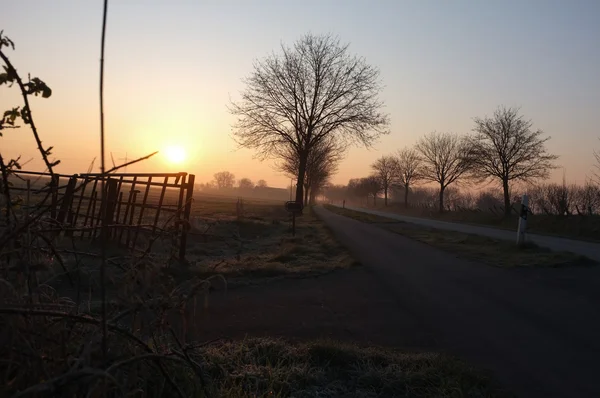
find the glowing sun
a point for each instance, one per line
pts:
(175, 154)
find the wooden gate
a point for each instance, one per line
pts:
(134, 205)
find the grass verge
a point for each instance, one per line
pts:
(473, 247)
(260, 247)
(277, 368)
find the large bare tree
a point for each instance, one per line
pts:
(505, 148)
(386, 170)
(309, 92)
(445, 160)
(409, 170)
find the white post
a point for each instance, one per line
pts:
(523, 220)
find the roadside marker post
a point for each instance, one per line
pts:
(523, 220)
(294, 208)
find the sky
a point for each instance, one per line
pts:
(172, 66)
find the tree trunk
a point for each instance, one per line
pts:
(312, 197)
(306, 190)
(406, 195)
(442, 188)
(385, 194)
(507, 208)
(301, 174)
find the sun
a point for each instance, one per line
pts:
(175, 154)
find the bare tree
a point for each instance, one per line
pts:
(445, 160)
(409, 170)
(386, 170)
(307, 93)
(322, 163)
(261, 184)
(505, 148)
(245, 183)
(224, 179)
(372, 185)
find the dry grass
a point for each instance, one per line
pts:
(276, 368)
(260, 246)
(473, 247)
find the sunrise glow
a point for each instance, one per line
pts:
(175, 154)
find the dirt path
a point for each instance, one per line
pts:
(536, 329)
(588, 249)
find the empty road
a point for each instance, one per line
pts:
(589, 249)
(537, 330)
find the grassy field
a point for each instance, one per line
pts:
(575, 226)
(473, 247)
(260, 246)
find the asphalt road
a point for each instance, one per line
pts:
(537, 330)
(589, 249)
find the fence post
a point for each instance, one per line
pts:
(186, 215)
(523, 220)
(54, 181)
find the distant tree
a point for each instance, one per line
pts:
(372, 185)
(322, 164)
(409, 170)
(336, 193)
(504, 148)
(445, 160)
(261, 184)
(224, 179)
(246, 183)
(358, 188)
(385, 169)
(310, 92)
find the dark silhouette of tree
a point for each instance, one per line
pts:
(445, 160)
(357, 187)
(504, 148)
(386, 170)
(306, 94)
(372, 185)
(409, 170)
(224, 179)
(246, 183)
(261, 184)
(321, 165)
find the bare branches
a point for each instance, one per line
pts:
(307, 93)
(445, 160)
(321, 164)
(409, 169)
(505, 148)
(115, 168)
(224, 179)
(386, 170)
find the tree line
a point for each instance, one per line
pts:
(307, 104)
(503, 149)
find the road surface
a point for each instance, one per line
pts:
(589, 249)
(537, 330)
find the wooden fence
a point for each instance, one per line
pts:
(133, 204)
